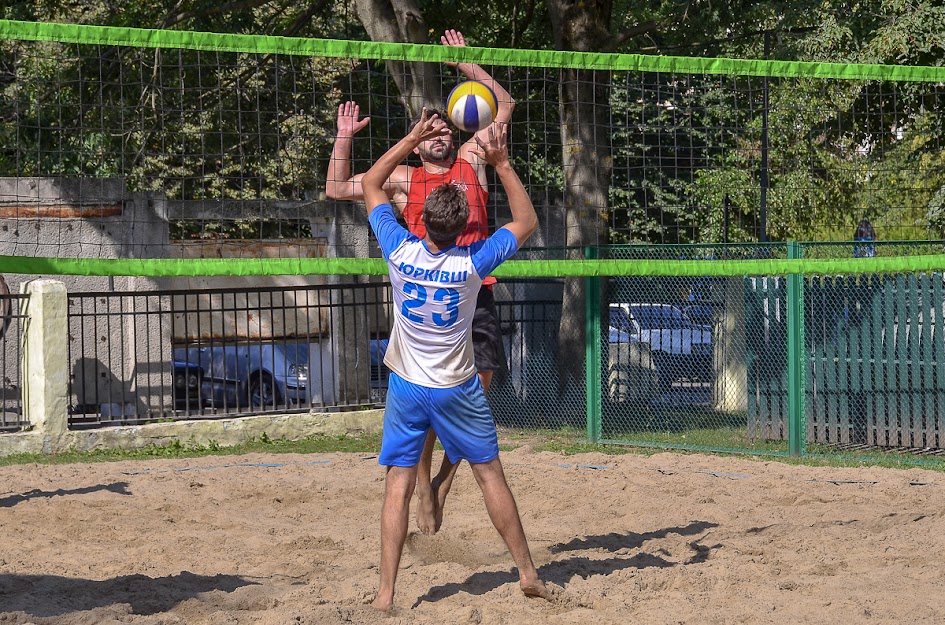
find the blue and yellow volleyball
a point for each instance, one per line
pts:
(472, 106)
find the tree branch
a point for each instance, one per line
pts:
(238, 5)
(304, 18)
(622, 37)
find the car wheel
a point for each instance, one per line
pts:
(193, 389)
(263, 392)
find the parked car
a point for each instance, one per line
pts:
(258, 376)
(675, 347)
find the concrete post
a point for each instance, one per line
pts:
(45, 368)
(731, 383)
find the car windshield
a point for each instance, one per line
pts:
(660, 318)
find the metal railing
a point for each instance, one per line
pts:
(12, 326)
(144, 356)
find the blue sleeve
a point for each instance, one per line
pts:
(492, 252)
(389, 233)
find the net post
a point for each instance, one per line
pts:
(592, 351)
(796, 356)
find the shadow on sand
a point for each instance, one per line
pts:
(560, 572)
(53, 595)
(120, 488)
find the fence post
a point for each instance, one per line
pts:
(45, 370)
(592, 351)
(796, 356)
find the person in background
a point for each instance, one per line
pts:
(865, 233)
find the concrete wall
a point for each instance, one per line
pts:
(245, 314)
(118, 361)
(340, 323)
(93, 218)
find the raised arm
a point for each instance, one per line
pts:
(375, 179)
(339, 183)
(475, 72)
(495, 152)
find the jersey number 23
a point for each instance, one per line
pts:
(415, 296)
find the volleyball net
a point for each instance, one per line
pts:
(165, 149)
(144, 153)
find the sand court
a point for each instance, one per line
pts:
(667, 538)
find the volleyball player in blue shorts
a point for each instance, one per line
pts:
(433, 380)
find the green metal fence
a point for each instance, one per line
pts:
(797, 364)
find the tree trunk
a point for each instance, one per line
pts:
(586, 142)
(400, 21)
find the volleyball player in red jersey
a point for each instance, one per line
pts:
(408, 188)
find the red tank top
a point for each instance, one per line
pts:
(462, 173)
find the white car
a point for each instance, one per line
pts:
(658, 338)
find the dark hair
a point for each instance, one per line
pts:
(445, 213)
(865, 231)
(431, 113)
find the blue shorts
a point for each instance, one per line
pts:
(459, 415)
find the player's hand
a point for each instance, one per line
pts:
(348, 122)
(428, 128)
(453, 38)
(494, 151)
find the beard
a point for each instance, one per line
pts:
(436, 152)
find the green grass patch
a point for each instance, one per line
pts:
(313, 445)
(727, 438)
(726, 441)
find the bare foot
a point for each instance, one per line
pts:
(426, 513)
(535, 589)
(383, 605)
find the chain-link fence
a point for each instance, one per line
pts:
(759, 363)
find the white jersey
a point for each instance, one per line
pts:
(434, 300)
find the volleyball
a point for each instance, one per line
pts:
(472, 106)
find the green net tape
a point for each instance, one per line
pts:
(510, 269)
(264, 44)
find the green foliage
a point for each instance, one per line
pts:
(201, 125)
(193, 125)
(839, 151)
(907, 32)
(491, 23)
(904, 184)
